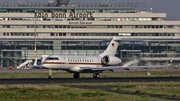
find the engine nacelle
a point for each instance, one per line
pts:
(110, 60)
(74, 69)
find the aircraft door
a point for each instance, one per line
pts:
(66, 60)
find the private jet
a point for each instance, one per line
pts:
(76, 64)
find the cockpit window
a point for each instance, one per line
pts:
(52, 58)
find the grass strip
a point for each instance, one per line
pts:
(67, 92)
(89, 75)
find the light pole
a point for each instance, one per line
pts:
(35, 55)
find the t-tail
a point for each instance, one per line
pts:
(112, 47)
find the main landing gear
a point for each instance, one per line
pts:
(96, 75)
(76, 75)
(50, 74)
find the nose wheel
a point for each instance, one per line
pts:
(50, 74)
(50, 77)
(76, 75)
(96, 75)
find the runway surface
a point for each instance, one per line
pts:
(6, 70)
(88, 80)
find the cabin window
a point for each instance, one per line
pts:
(53, 58)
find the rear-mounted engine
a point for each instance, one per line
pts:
(110, 60)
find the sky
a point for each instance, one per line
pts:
(171, 7)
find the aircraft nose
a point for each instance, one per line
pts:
(43, 65)
(46, 65)
(120, 61)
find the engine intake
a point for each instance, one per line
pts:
(110, 60)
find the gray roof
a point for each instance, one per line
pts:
(62, 2)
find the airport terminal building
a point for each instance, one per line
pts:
(64, 27)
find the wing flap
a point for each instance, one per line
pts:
(118, 68)
(143, 67)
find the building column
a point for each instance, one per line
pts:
(57, 47)
(149, 46)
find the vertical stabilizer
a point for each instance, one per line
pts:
(112, 47)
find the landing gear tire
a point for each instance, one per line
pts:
(50, 74)
(76, 75)
(96, 75)
(50, 77)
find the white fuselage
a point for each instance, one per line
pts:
(68, 62)
(80, 63)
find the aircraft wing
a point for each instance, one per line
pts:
(119, 68)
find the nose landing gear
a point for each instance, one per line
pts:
(96, 75)
(50, 74)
